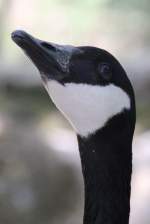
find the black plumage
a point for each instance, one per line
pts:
(106, 153)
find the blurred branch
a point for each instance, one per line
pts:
(3, 15)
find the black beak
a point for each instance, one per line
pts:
(52, 60)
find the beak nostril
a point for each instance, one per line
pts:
(48, 46)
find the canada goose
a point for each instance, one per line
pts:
(92, 90)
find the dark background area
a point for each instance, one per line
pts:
(40, 173)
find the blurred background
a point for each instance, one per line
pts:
(40, 173)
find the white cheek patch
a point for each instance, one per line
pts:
(88, 107)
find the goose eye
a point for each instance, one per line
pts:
(104, 70)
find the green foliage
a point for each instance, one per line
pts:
(130, 4)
